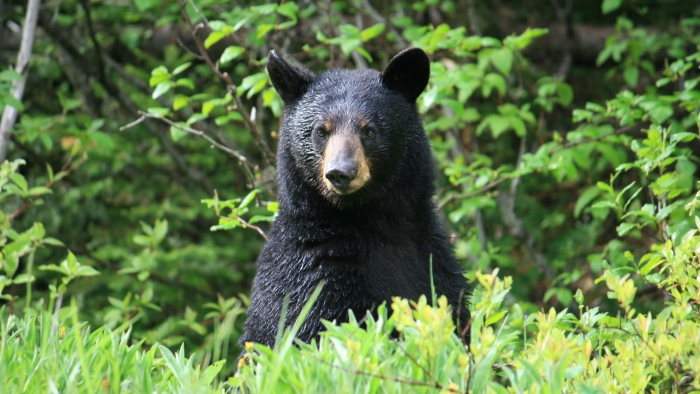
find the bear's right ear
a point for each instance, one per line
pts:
(291, 82)
(407, 73)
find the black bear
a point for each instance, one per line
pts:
(356, 181)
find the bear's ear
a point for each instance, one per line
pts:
(291, 82)
(408, 73)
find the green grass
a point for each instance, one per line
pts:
(40, 355)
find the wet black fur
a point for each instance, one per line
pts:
(367, 246)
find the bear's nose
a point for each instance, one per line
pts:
(341, 173)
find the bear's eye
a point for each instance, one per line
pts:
(320, 132)
(370, 133)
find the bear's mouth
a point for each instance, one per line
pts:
(342, 190)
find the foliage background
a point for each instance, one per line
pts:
(565, 134)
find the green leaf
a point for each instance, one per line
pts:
(181, 68)
(180, 102)
(159, 111)
(496, 80)
(498, 124)
(215, 37)
(13, 102)
(177, 133)
(52, 241)
(10, 75)
(19, 180)
(624, 228)
(264, 29)
(288, 9)
(604, 186)
(610, 6)
(518, 125)
(235, 116)
(39, 190)
(85, 270)
(631, 75)
(503, 60)
(186, 82)
(161, 89)
(247, 200)
(160, 230)
(195, 118)
(660, 113)
(349, 30)
(143, 240)
(104, 140)
(261, 218)
(11, 253)
(566, 94)
(320, 37)
(664, 212)
(158, 75)
(265, 9)
(683, 137)
(586, 197)
(231, 53)
(23, 278)
(364, 53)
(273, 206)
(371, 32)
(208, 106)
(662, 82)
(145, 5)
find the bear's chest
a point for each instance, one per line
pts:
(381, 263)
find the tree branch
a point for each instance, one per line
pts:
(245, 163)
(9, 115)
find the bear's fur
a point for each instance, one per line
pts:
(356, 178)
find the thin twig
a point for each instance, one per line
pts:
(621, 130)
(242, 159)
(419, 365)
(484, 189)
(247, 225)
(188, 50)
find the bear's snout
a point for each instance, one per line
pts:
(341, 173)
(345, 167)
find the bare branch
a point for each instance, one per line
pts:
(9, 115)
(245, 163)
(621, 130)
(471, 194)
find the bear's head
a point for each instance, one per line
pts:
(348, 131)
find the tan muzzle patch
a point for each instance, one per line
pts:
(345, 168)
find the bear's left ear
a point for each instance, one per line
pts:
(291, 82)
(408, 73)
